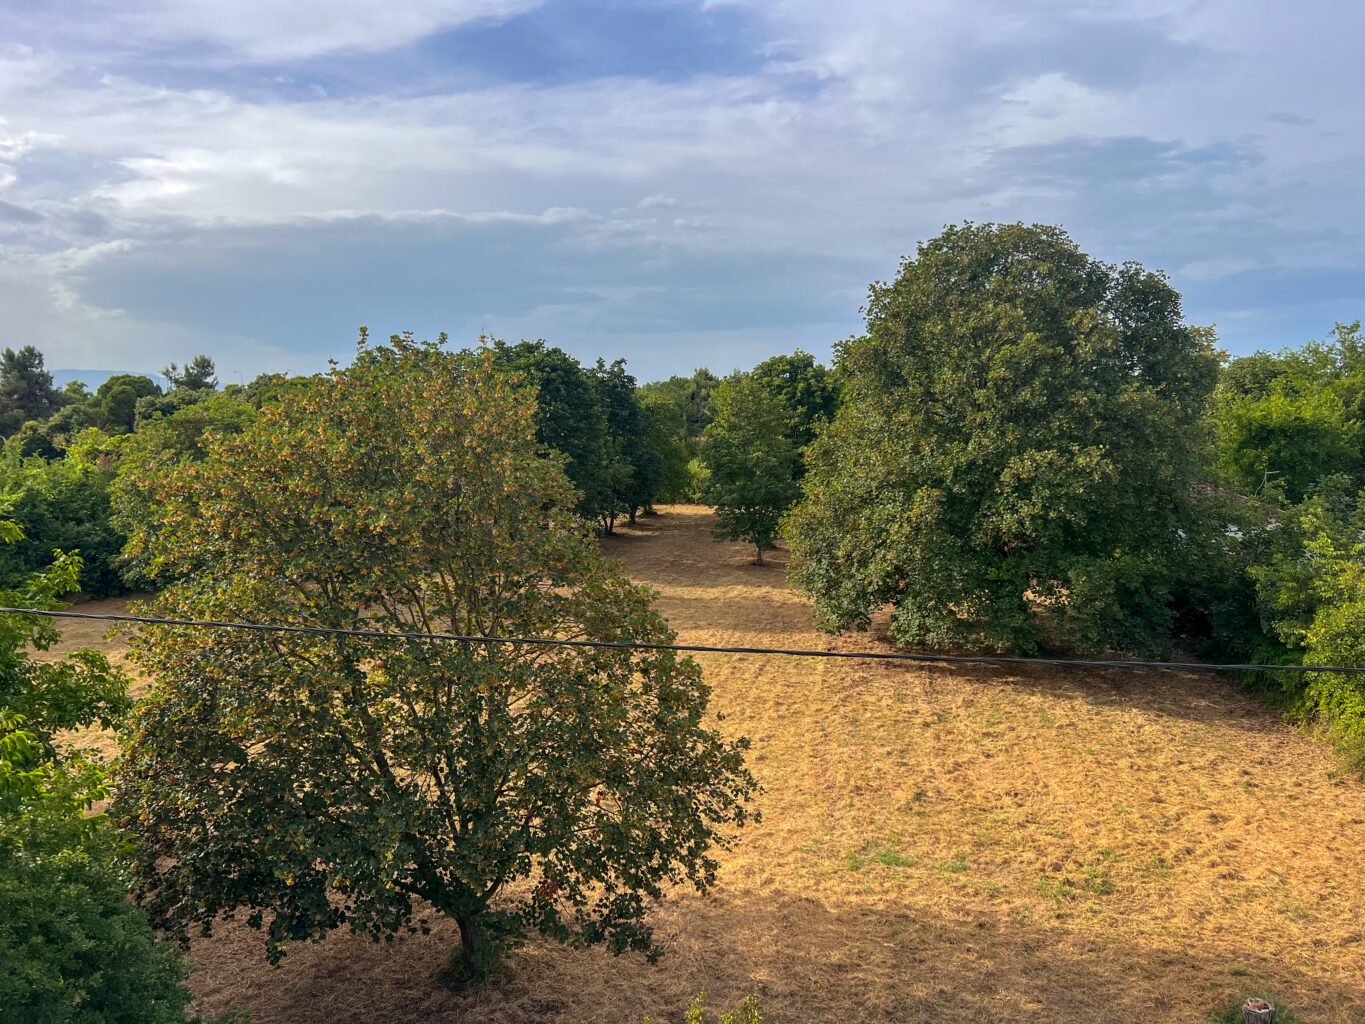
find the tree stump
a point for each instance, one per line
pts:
(1257, 1011)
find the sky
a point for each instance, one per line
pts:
(676, 183)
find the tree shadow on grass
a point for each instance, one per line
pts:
(807, 962)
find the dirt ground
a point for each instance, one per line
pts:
(937, 845)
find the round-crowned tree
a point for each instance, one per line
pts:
(312, 782)
(1017, 456)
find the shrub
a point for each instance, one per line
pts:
(747, 1013)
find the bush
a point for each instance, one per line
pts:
(696, 1012)
(62, 504)
(73, 949)
(1313, 581)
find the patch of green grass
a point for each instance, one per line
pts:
(1121, 810)
(1022, 915)
(956, 865)
(1057, 890)
(1232, 1013)
(852, 861)
(892, 859)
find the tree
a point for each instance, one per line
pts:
(1022, 432)
(190, 386)
(691, 395)
(752, 462)
(26, 391)
(1312, 580)
(1298, 439)
(665, 436)
(114, 406)
(633, 468)
(807, 390)
(1294, 417)
(569, 416)
(315, 782)
(72, 948)
(198, 375)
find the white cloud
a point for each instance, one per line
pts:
(1209, 140)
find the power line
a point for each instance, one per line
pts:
(955, 659)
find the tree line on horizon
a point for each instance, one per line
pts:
(1027, 451)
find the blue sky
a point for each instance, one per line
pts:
(678, 183)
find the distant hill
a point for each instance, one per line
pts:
(94, 378)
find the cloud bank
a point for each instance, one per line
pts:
(678, 183)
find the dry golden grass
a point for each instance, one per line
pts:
(938, 845)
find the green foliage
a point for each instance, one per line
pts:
(62, 504)
(198, 375)
(26, 391)
(569, 416)
(73, 950)
(159, 447)
(634, 469)
(691, 396)
(805, 387)
(49, 696)
(665, 436)
(751, 461)
(696, 1012)
(113, 409)
(314, 782)
(698, 480)
(1313, 581)
(1016, 456)
(1293, 418)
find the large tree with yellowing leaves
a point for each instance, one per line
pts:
(312, 782)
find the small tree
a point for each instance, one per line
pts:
(752, 462)
(198, 375)
(315, 782)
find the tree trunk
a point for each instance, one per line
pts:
(1257, 1011)
(466, 946)
(758, 544)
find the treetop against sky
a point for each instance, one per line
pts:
(679, 183)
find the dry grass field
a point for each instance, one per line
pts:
(937, 845)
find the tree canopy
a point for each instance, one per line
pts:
(752, 461)
(1294, 418)
(1017, 452)
(26, 391)
(806, 388)
(315, 782)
